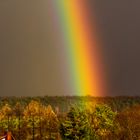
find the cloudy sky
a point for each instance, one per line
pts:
(30, 63)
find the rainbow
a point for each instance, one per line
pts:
(79, 40)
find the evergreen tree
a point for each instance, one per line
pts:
(88, 123)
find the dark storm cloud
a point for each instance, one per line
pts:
(30, 63)
(119, 23)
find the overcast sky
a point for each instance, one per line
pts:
(31, 64)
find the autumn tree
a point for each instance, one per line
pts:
(41, 121)
(5, 117)
(102, 122)
(129, 120)
(32, 115)
(18, 122)
(51, 123)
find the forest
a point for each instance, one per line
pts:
(70, 118)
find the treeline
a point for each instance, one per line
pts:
(83, 121)
(100, 122)
(64, 102)
(32, 122)
(86, 118)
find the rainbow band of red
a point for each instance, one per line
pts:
(80, 44)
